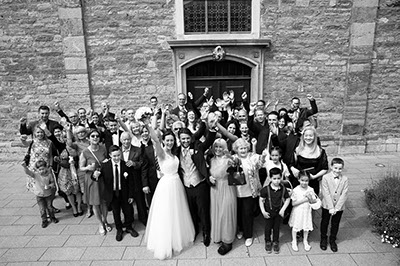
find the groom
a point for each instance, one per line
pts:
(116, 189)
(194, 174)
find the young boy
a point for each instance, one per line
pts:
(44, 189)
(333, 196)
(274, 199)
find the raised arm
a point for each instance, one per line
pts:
(27, 171)
(226, 133)
(157, 144)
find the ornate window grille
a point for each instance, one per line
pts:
(217, 16)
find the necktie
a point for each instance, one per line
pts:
(116, 180)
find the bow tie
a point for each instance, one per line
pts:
(114, 133)
(125, 150)
(336, 177)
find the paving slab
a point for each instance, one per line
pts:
(22, 254)
(155, 263)
(200, 262)
(112, 262)
(243, 262)
(47, 241)
(84, 241)
(331, 260)
(387, 259)
(103, 253)
(14, 241)
(301, 260)
(63, 253)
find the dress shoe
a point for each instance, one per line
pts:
(206, 240)
(75, 214)
(119, 235)
(334, 246)
(323, 244)
(54, 220)
(45, 223)
(239, 235)
(80, 213)
(132, 232)
(224, 248)
(68, 206)
(268, 247)
(275, 245)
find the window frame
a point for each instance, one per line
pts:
(180, 27)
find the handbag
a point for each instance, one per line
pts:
(236, 176)
(316, 205)
(27, 156)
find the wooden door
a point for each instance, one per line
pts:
(219, 77)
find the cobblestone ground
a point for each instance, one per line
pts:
(75, 241)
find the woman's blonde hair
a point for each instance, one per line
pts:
(239, 143)
(222, 142)
(314, 150)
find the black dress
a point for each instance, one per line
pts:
(318, 164)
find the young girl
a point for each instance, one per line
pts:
(300, 218)
(44, 188)
(275, 161)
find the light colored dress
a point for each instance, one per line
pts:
(223, 203)
(169, 227)
(301, 218)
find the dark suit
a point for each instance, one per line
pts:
(199, 196)
(304, 114)
(262, 133)
(103, 117)
(118, 201)
(138, 172)
(190, 105)
(108, 138)
(28, 129)
(150, 179)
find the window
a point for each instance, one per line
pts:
(217, 19)
(217, 16)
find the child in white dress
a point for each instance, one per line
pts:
(301, 218)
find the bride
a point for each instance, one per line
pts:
(169, 227)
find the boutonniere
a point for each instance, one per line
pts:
(191, 151)
(125, 174)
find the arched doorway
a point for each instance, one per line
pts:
(219, 77)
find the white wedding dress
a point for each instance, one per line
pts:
(169, 226)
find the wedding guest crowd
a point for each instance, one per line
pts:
(197, 167)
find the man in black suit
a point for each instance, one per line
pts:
(302, 114)
(112, 134)
(194, 174)
(116, 188)
(44, 112)
(105, 114)
(187, 104)
(133, 158)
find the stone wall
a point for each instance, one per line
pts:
(129, 57)
(309, 54)
(383, 110)
(31, 61)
